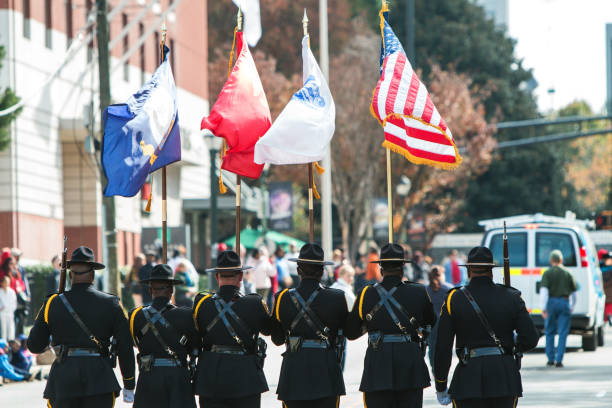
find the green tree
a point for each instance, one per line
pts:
(588, 167)
(7, 99)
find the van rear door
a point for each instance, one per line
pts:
(565, 240)
(518, 254)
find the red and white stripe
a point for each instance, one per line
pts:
(420, 130)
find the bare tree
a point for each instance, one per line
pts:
(357, 155)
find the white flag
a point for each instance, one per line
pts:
(305, 127)
(252, 20)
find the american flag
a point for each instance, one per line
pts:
(413, 126)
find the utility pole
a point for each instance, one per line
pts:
(326, 196)
(410, 30)
(109, 233)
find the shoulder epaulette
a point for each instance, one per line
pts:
(278, 300)
(197, 309)
(363, 291)
(449, 298)
(48, 305)
(133, 314)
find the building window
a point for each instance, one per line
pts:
(126, 44)
(172, 59)
(157, 49)
(142, 54)
(26, 18)
(48, 32)
(69, 27)
(88, 7)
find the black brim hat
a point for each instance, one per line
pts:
(392, 253)
(311, 254)
(228, 262)
(480, 256)
(84, 255)
(162, 273)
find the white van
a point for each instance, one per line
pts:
(531, 238)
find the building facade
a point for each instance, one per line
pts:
(50, 175)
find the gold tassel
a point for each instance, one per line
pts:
(315, 191)
(229, 69)
(148, 207)
(222, 188)
(318, 167)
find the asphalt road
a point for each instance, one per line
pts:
(584, 382)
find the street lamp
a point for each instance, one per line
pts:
(214, 144)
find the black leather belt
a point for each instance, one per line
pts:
(378, 337)
(236, 350)
(82, 352)
(296, 343)
(485, 351)
(166, 362)
(314, 344)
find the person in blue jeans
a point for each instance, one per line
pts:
(558, 297)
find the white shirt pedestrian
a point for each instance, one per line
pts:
(346, 275)
(8, 305)
(263, 270)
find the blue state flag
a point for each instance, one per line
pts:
(141, 135)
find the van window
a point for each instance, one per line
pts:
(546, 242)
(517, 248)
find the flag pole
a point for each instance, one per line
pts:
(164, 202)
(389, 190)
(310, 172)
(238, 178)
(389, 196)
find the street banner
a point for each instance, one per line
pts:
(412, 125)
(240, 115)
(281, 206)
(380, 220)
(303, 130)
(141, 135)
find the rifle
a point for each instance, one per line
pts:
(62, 278)
(506, 259)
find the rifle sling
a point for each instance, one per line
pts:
(225, 308)
(157, 316)
(78, 320)
(305, 312)
(386, 301)
(482, 317)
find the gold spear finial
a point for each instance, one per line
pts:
(239, 19)
(385, 5)
(305, 22)
(163, 31)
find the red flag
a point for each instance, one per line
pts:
(241, 114)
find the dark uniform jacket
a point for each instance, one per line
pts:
(486, 376)
(229, 376)
(104, 317)
(309, 373)
(164, 386)
(393, 366)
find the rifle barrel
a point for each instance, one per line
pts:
(506, 259)
(62, 277)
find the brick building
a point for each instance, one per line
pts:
(49, 177)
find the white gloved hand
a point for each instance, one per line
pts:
(443, 397)
(128, 396)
